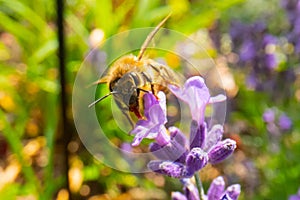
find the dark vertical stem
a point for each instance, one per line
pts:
(61, 56)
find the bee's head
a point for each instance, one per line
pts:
(126, 93)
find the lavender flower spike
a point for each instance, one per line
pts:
(153, 127)
(221, 151)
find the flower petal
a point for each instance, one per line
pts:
(153, 126)
(195, 94)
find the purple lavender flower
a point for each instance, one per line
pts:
(196, 95)
(205, 146)
(191, 160)
(284, 122)
(176, 158)
(153, 126)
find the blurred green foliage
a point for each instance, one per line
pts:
(29, 100)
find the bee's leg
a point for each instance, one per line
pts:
(152, 89)
(140, 89)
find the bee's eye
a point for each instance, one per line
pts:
(112, 84)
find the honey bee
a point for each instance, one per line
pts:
(132, 76)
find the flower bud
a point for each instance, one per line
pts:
(197, 134)
(178, 196)
(216, 188)
(172, 169)
(234, 191)
(221, 151)
(213, 136)
(195, 160)
(191, 192)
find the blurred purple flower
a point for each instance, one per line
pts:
(269, 39)
(248, 50)
(295, 196)
(274, 126)
(251, 81)
(269, 115)
(196, 95)
(270, 61)
(284, 122)
(153, 126)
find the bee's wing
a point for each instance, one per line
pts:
(164, 74)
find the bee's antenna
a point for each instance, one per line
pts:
(150, 36)
(100, 99)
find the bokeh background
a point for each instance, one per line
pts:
(254, 44)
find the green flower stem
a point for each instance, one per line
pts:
(199, 186)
